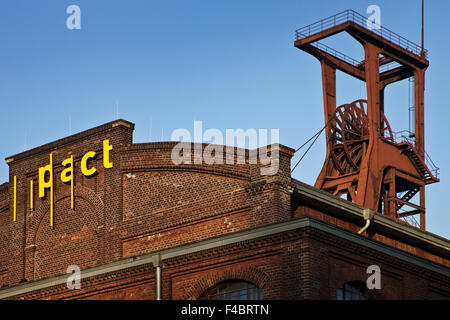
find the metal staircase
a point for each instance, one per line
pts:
(406, 197)
(408, 149)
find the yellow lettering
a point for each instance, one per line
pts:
(45, 177)
(67, 176)
(47, 184)
(87, 172)
(106, 148)
(31, 194)
(15, 198)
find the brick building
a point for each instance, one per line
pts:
(147, 228)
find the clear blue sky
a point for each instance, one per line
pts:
(231, 64)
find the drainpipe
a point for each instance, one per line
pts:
(157, 264)
(368, 216)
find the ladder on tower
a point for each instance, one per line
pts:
(418, 162)
(406, 197)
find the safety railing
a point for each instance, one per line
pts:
(350, 60)
(410, 220)
(407, 136)
(404, 136)
(389, 66)
(336, 53)
(350, 15)
(430, 164)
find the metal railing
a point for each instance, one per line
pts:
(336, 53)
(430, 164)
(407, 136)
(350, 60)
(383, 68)
(389, 66)
(350, 15)
(404, 136)
(411, 221)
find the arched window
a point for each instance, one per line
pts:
(233, 290)
(352, 290)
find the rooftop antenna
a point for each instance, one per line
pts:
(162, 134)
(422, 52)
(150, 133)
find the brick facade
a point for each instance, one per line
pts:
(146, 205)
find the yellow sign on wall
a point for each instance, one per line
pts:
(67, 176)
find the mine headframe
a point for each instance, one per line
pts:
(365, 161)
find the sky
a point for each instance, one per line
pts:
(231, 64)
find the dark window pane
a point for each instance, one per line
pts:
(353, 290)
(234, 290)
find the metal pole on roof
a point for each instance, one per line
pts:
(422, 29)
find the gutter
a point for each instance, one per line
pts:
(384, 225)
(156, 258)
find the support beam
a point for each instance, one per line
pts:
(419, 88)
(333, 60)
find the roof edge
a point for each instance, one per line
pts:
(69, 139)
(385, 225)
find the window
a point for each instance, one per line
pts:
(234, 290)
(353, 290)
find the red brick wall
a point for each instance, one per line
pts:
(167, 205)
(73, 241)
(305, 264)
(146, 203)
(4, 236)
(300, 209)
(31, 245)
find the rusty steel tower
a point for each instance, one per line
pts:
(365, 161)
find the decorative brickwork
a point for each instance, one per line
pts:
(146, 205)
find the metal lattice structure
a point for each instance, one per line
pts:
(365, 161)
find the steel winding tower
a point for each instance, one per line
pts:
(364, 160)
